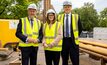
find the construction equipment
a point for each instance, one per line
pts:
(7, 33)
(8, 40)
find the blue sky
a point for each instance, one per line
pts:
(99, 4)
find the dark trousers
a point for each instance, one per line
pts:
(29, 54)
(52, 56)
(70, 49)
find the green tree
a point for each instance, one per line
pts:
(103, 18)
(88, 16)
(15, 9)
(4, 5)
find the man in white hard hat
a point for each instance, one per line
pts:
(71, 31)
(28, 31)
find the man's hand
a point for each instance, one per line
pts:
(35, 41)
(31, 40)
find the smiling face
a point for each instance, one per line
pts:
(31, 12)
(51, 18)
(67, 8)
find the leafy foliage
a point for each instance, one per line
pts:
(15, 9)
(88, 16)
(103, 18)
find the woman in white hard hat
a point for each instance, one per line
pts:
(28, 31)
(52, 38)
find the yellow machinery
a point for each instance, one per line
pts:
(7, 33)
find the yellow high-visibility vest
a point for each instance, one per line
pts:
(50, 34)
(29, 31)
(74, 24)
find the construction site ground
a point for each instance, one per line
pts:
(84, 59)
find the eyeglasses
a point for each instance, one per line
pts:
(50, 15)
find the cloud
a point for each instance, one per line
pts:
(100, 5)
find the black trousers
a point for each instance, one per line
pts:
(29, 54)
(52, 57)
(70, 49)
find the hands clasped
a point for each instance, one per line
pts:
(31, 40)
(51, 45)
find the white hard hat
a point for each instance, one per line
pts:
(50, 11)
(32, 6)
(66, 3)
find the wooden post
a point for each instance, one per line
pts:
(103, 62)
(3, 49)
(0, 43)
(15, 62)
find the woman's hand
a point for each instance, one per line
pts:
(51, 45)
(44, 44)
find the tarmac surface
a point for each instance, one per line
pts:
(84, 59)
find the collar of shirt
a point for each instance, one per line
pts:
(68, 14)
(30, 19)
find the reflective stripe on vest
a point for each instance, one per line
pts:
(30, 32)
(49, 39)
(75, 27)
(74, 24)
